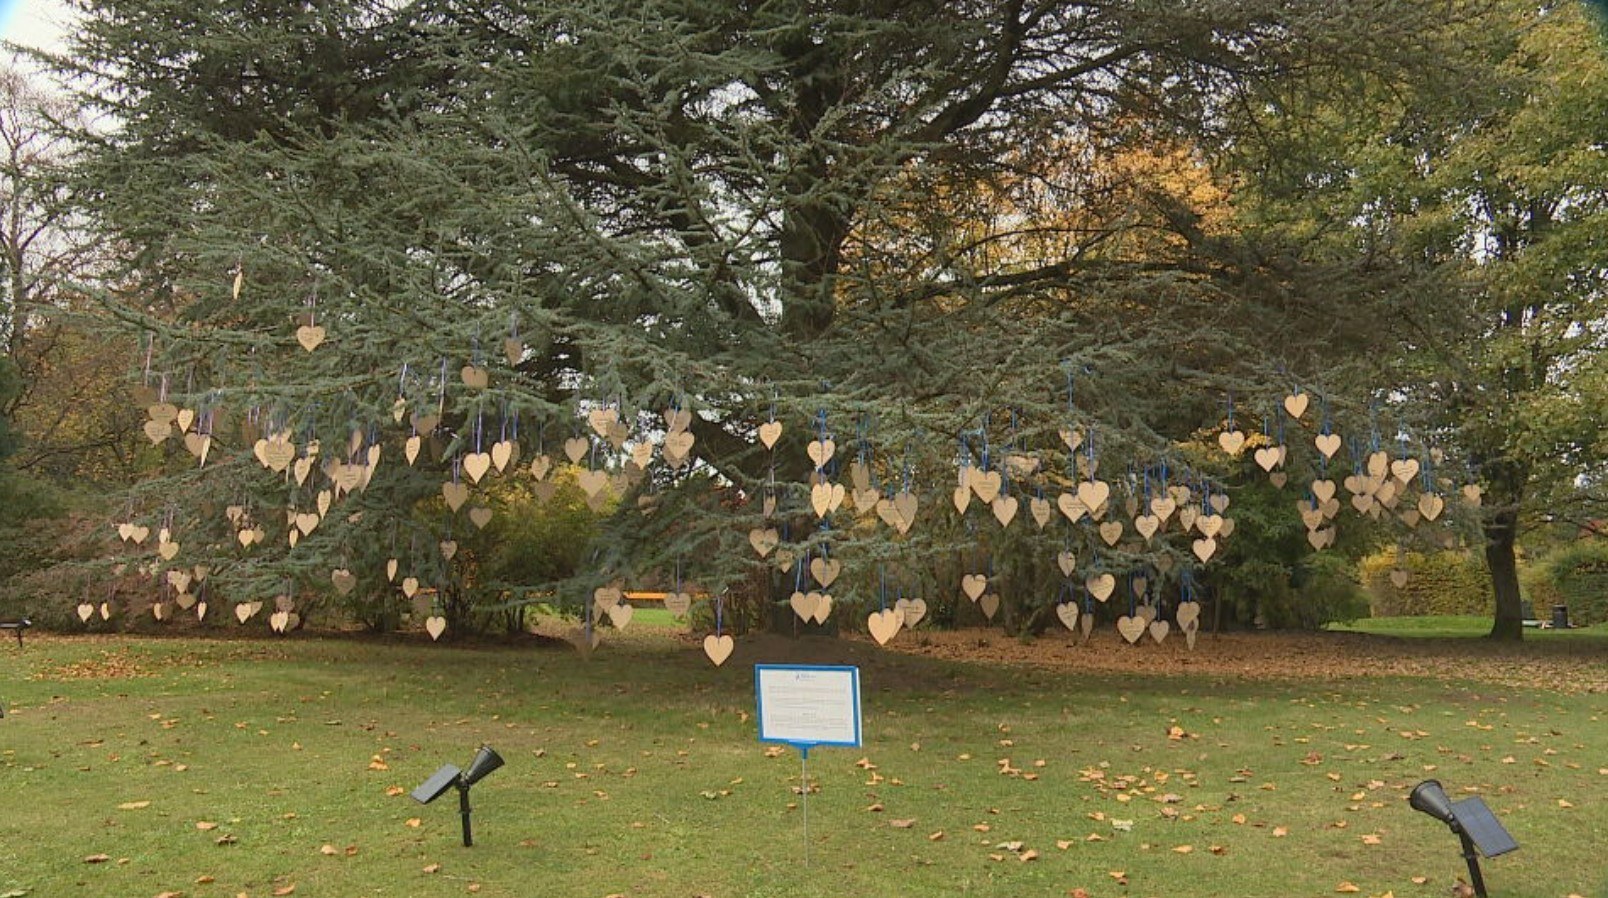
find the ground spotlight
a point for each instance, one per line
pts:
(485, 761)
(1478, 828)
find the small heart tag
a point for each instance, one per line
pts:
(884, 625)
(1068, 614)
(1159, 630)
(455, 494)
(1231, 441)
(764, 540)
(718, 648)
(1296, 404)
(973, 585)
(480, 516)
(912, 609)
(435, 625)
(1005, 509)
(1327, 443)
(1068, 563)
(769, 433)
(990, 604)
(620, 615)
(1188, 614)
(678, 603)
(310, 336)
(1100, 586)
(1131, 627)
(85, 612)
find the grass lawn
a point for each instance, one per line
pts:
(1456, 625)
(207, 767)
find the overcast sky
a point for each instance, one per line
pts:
(36, 23)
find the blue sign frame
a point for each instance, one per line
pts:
(831, 690)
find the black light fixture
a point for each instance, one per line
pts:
(1472, 820)
(485, 761)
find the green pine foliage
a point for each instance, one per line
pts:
(936, 234)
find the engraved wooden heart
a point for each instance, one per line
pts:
(390, 569)
(1092, 494)
(718, 648)
(1430, 506)
(606, 597)
(592, 482)
(575, 449)
(784, 559)
(1231, 441)
(410, 586)
(769, 433)
(1323, 490)
(1296, 404)
(1319, 538)
(1067, 612)
(823, 606)
(820, 452)
(476, 464)
(1404, 470)
(1278, 479)
(1005, 509)
(990, 604)
(1398, 578)
(1040, 509)
(540, 465)
(1100, 586)
(1072, 438)
(1209, 525)
(1147, 525)
(1362, 502)
(157, 431)
(1188, 613)
(962, 498)
(310, 336)
(912, 609)
(1204, 548)
(1218, 502)
(1131, 627)
(678, 446)
(860, 475)
(825, 498)
(906, 503)
(279, 621)
(1067, 562)
(1327, 444)
(884, 625)
(985, 484)
(1473, 494)
(1158, 630)
(763, 539)
(480, 516)
(474, 377)
(1071, 507)
(1111, 532)
(502, 452)
(620, 615)
(435, 625)
(1163, 507)
(167, 550)
(803, 605)
(601, 419)
(677, 419)
(343, 580)
(1267, 458)
(455, 494)
(825, 570)
(1410, 517)
(85, 612)
(973, 585)
(678, 603)
(245, 610)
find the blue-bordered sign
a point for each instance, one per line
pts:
(808, 705)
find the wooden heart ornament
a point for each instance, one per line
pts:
(1327, 444)
(1067, 562)
(718, 648)
(1158, 630)
(803, 605)
(1296, 404)
(435, 625)
(825, 570)
(1067, 612)
(85, 612)
(1398, 578)
(912, 609)
(678, 603)
(1100, 586)
(1131, 627)
(620, 615)
(245, 610)
(310, 336)
(990, 604)
(973, 585)
(1188, 614)
(820, 452)
(884, 625)
(769, 433)
(1232, 442)
(764, 540)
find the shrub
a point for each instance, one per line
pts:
(1437, 583)
(1575, 575)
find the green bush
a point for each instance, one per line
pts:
(1437, 583)
(1575, 575)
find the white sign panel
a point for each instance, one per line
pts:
(807, 705)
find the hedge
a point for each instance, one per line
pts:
(1437, 583)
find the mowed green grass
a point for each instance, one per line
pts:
(1457, 626)
(637, 773)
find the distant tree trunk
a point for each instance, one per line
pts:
(1501, 530)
